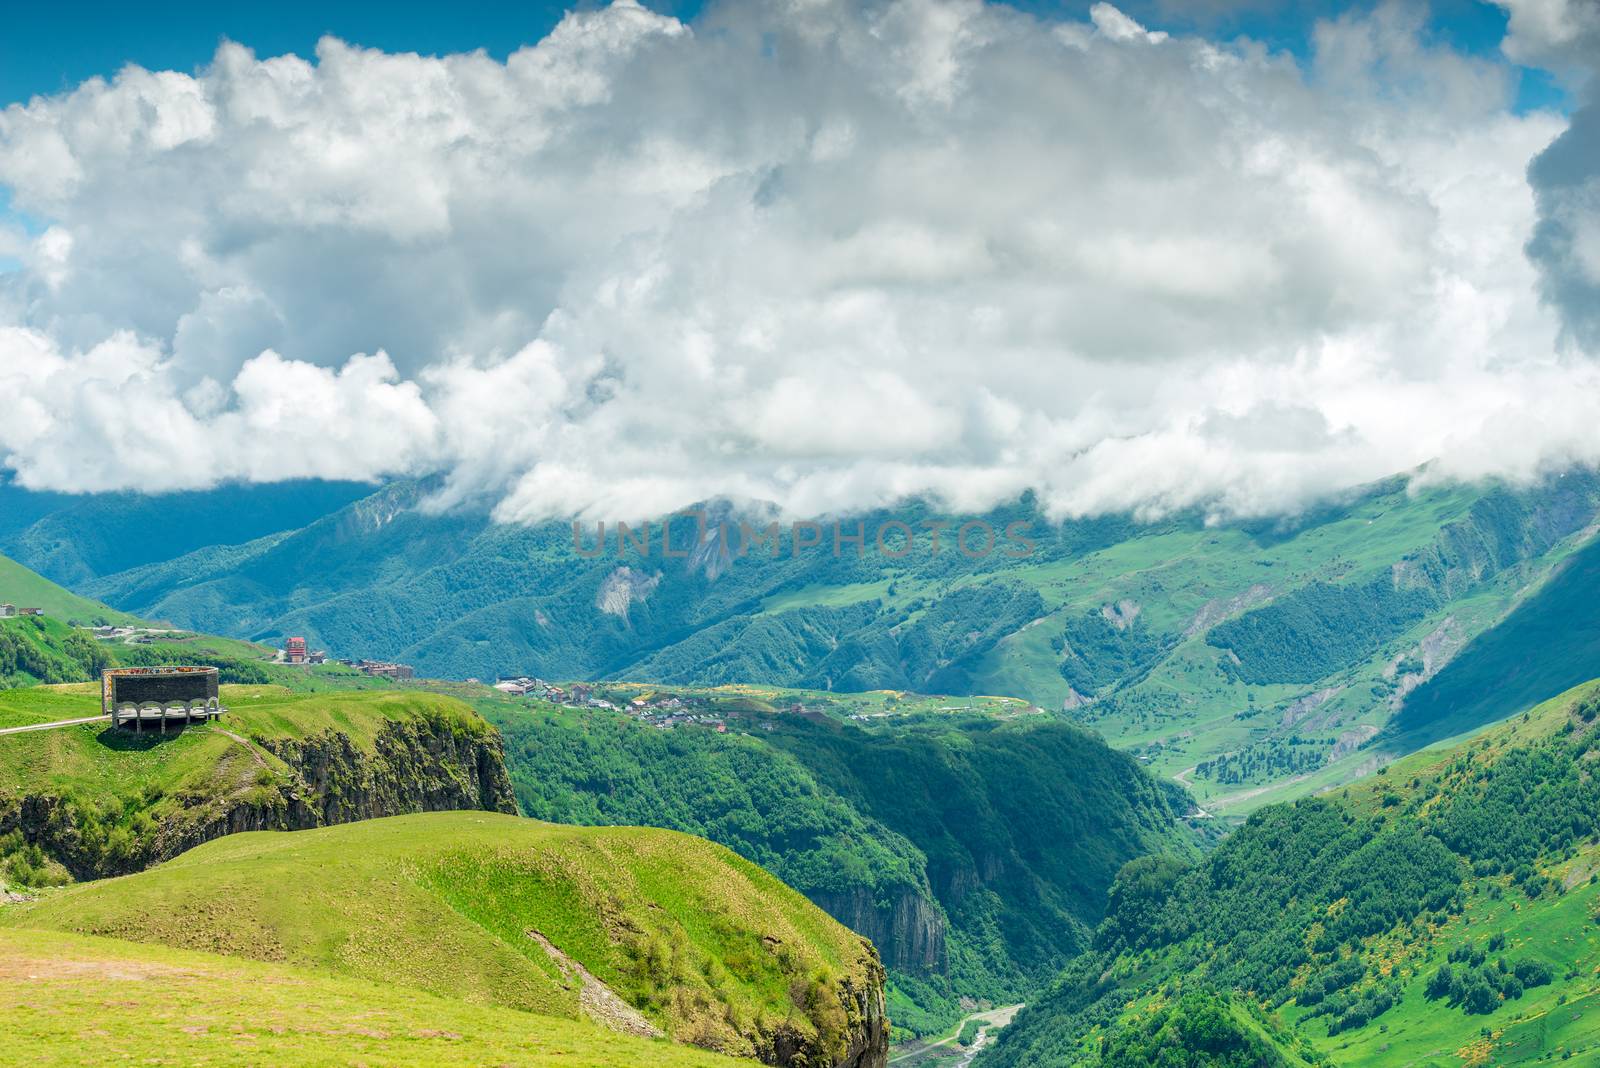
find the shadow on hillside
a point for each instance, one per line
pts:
(126, 740)
(1546, 645)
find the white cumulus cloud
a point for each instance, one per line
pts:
(825, 254)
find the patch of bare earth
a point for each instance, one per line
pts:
(1351, 740)
(1217, 609)
(597, 1001)
(19, 969)
(1302, 708)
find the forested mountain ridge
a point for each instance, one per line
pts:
(1244, 658)
(1548, 642)
(1319, 930)
(1442, 912)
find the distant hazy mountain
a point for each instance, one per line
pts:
(20, 508)
(73, 540)
(1246, 659)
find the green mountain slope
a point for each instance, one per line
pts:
(1439, 914)
(25, 589)
(974, 852)
(1253, 660)
(687, 938)
(58, 647)
(100, 1000)
(1200, 1030)
(38, 649)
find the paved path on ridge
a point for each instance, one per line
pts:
(51, 726)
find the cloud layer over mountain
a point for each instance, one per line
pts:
(815, 252)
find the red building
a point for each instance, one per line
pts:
(294, 650)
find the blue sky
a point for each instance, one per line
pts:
(49, 48)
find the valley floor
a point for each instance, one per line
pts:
(948, 1050)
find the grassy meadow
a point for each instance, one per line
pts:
(710, 947)
(76, 1000)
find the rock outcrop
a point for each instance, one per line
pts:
(851, 1019)
(908, 929)
(416, 764)
(866, 1008)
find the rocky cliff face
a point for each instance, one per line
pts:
(866, 1008)
(909, 930)
(414, 765)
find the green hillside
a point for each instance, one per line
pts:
(1438, 911)
(90, 800)
(38, 649)
(59, 648)
(25, 589)
(701, 944)
(1441, 913)
(81, 1000)
(41, 649)
(974, 851)
(1202, 1029)
(1250, 660)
